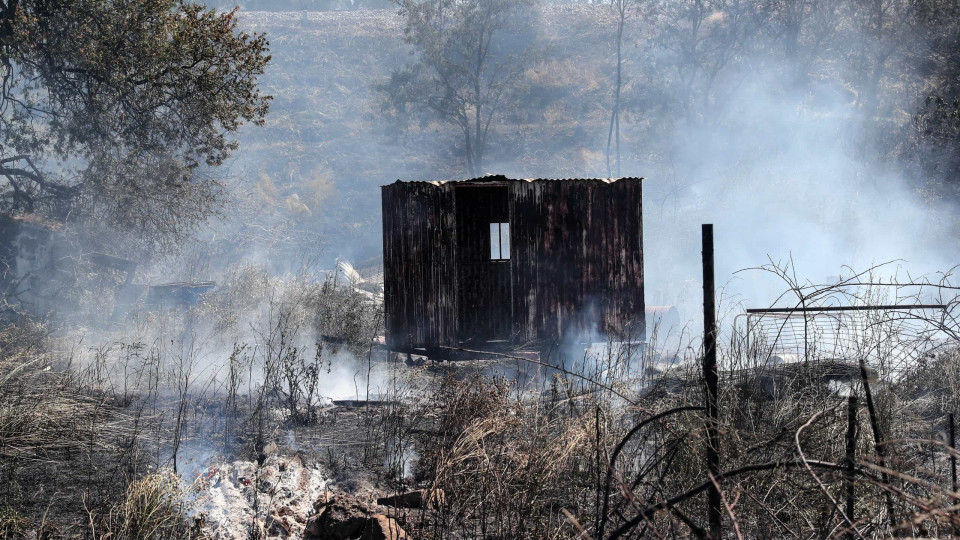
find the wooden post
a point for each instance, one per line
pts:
(851, 457)
(953, 465)
(878, 446)
(710, 376)
(953, 458)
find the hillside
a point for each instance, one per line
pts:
(712, 137)
(327, 142)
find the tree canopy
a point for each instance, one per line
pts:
(469, 55)
(111, 110)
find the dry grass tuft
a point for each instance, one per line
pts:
(156, 506)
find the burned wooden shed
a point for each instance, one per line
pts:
(495, 262)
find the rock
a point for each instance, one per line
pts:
(312, 529)
(421, 498)
(229, 508)
(339, 517)
(323, 500)
(281, 526)
(381, 527)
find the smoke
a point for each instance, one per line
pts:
(782, 157)
(254, 330)
(785, 177)
(348, 378)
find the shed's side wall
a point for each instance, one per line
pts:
(419, 274)
(578, 258)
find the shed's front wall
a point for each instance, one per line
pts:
(575, 267)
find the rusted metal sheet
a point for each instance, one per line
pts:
(575, 265)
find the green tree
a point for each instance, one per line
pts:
(112, 111)
(470, 55)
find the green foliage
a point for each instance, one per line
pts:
(110, 107)
(937, 125)
(934, 135)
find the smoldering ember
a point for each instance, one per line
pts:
(498, 269)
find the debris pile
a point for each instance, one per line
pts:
(283, 498)
(345, 517)
(273, 500)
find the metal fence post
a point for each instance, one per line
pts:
(851, 457)
(711, 378)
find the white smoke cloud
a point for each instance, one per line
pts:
(786, 176)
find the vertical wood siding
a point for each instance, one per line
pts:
(579, 257)
(576, 265)
(418, 249)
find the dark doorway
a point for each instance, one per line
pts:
(483, 263)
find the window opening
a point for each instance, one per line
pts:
(499, 241)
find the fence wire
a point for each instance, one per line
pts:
(889, 340)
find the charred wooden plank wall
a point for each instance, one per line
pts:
(579, 257)
(484, 284)
(419, 270)
(575, 267)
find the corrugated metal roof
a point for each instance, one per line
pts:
(493, 178)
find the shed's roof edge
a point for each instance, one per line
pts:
(495, 178)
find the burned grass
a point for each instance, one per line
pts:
(505, 447)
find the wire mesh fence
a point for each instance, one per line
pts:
(888, 338)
